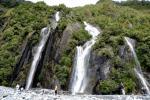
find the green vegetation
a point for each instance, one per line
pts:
(142, 5)
(116, 22)
(131, 19)
(107, 86)
(63, 70)
(20, 21)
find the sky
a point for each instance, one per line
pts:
(70, 3)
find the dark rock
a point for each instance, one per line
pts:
(2, 10)
(25, 54)
(102, 65)
(65, 37)
(125, 53)
(5, 96)
(99, 70)
(54, 48)
(147, 76)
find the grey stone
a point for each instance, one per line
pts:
(65, 38)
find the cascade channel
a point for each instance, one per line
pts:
(79, 79)
(138, 70)
(37, 56)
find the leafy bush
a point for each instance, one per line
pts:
(114, 20)
(63, 69)
(107, 86)
(22, 20)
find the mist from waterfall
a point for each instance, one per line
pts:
(138, 70)
(79, 79)
(37, 56)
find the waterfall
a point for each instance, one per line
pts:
(44, 35)
(138, 66)
(143, 81)
(79, 78)
(123, 91)
(57, 17)
(37, 56)
(138, 70)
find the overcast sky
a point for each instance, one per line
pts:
(69, 3)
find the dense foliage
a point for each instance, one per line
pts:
(63, 69)
(115, 20)
(20, 22)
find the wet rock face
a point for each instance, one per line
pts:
(22, 61)
(21, 67)
(53, 51)
(99, 70)
(124, 52)
(102, 66)
(64, 39)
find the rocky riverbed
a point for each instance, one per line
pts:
(45, 94)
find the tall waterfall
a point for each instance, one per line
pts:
(44, 35)
(138, 70)
(79, 78)
(37, 56)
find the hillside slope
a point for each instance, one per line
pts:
(21, 24)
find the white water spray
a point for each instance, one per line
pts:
(57, 17)
(79, 78)
(37, 56)
(143, 81)
(128, 40)
(138, 70)
(44, 35)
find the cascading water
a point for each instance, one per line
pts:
(44, 35)
(123, 91)
(138, 66)
(37, 56)
(79, 80)
(57, 17)
(143, 81)
(138, 70)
